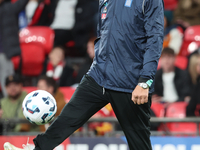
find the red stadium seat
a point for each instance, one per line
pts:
(178, 110)
(35, 43)
(181, 62)
(33, 57)
(68, 92)
(191, 40)
(170, 4)
(158, 109)
(43, 36)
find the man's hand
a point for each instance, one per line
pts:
(140, 95)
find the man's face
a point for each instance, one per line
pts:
(167, 62)
(42, 85)
(14, 90)
(56, 56)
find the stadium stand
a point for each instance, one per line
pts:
(178, 110)
(33, 57)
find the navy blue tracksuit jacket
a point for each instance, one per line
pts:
(129, 43)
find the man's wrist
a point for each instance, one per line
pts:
(147, 81)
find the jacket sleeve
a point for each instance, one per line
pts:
(154, 26)
(18, 6)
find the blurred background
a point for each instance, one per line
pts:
(49, 45)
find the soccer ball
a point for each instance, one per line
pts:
(39, 107)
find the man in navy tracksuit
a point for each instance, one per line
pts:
(129, 44)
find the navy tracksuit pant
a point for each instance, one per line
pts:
(85, 102)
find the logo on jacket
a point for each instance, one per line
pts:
(128, 3)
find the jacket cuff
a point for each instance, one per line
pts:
(143, 80)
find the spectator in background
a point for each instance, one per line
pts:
(71, 20)
(60, 16)
(48, 84)
(44, 13)
(173, 36)
(30, 9)
(194, 71)
(170, 81)
(56, 63)
(9, 38)
(90, 56)
(57, 68)
(64, 21)
(187, 13)
(12, 104)
(86, 23)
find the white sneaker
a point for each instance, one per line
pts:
(8, 146)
